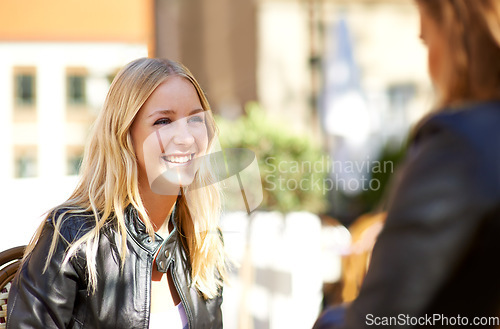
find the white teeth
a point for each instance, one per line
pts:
(179, 159)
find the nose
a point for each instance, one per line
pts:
(182, 134)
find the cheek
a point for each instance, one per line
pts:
(438, 56)
(202, 140)
(432, 65)
(139, 155)
(435, 64)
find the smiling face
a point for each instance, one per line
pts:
(168, 133)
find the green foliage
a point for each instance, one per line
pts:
(292, 168)
(395, 155)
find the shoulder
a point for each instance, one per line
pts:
(472, 130)
(460, 146)
(71, 222)
(477, 124)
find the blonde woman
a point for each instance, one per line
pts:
(137, 244)
(435, 260)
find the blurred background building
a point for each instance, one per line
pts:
(350, 75)
(57, 59)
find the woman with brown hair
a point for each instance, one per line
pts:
(434, 262)
(137, 244)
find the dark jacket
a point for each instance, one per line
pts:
(437, 255)
(59, 297)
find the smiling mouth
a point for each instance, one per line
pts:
(178, 159)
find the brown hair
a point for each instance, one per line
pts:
(472, 31)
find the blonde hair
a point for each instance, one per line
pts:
(109, 180)
(471, 30)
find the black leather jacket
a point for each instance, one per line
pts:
(59, 297)
(437, 256)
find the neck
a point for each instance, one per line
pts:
(159, 207)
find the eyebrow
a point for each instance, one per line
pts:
(169, 112)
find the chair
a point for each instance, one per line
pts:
(9, 263)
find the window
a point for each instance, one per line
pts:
(74, 160)
(25, 87)
(25, 161)
(76, 91)
(400, 95)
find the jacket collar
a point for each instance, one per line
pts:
(137, 231)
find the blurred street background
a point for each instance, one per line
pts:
(324, 92)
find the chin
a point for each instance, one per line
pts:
(177, 178)
(170, 182)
